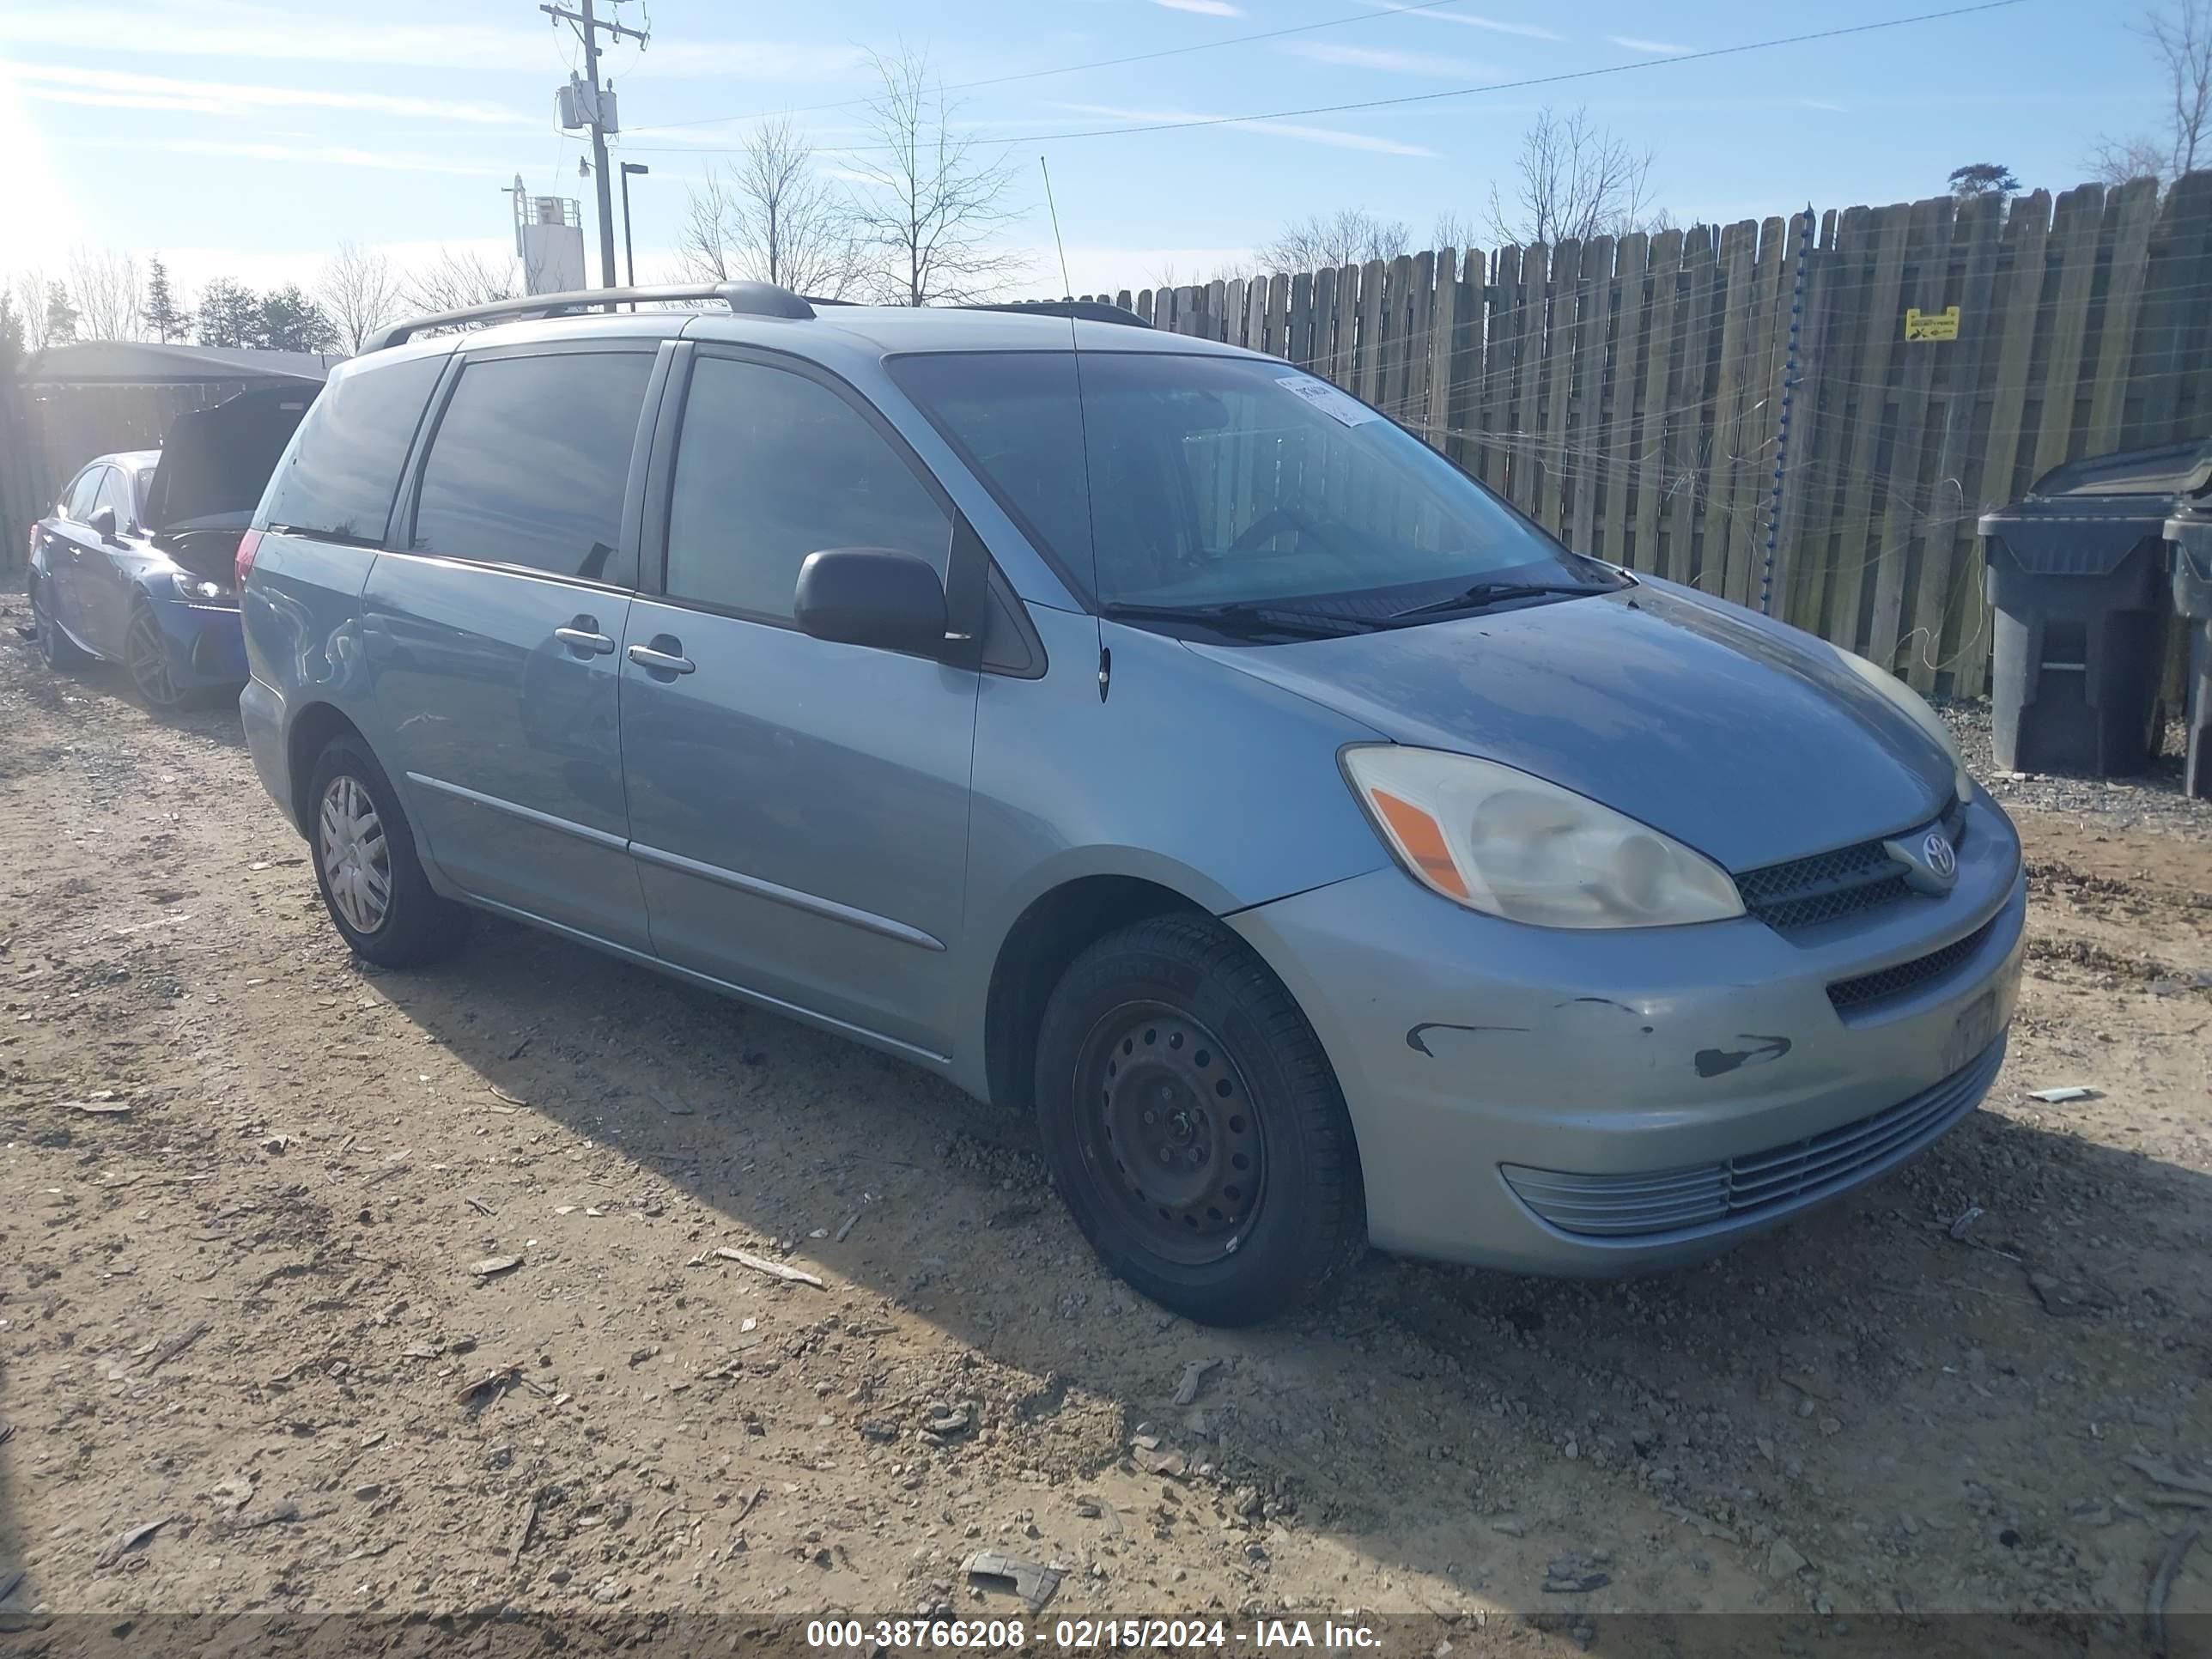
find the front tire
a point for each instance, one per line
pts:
(60, 652)
(371, 880)
(1194, 1126)
(146, 658)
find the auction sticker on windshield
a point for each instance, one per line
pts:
(1328, 400)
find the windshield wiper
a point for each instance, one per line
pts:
(1483, 594)
(1245, 619)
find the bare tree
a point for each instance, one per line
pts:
(2180, 38)
(1454, 231)
(104, 284)
(2116, 161)
(359, 294)
(1570, 179)
(456, 279)
(1349, 236)
(772, 217)
(930, 202)
(29, 287)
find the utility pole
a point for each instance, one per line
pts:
(588, 29)
(629, 252)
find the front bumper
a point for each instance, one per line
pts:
(206, 644)
(1632, 1080)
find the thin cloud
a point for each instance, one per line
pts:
(1203, 8)
(238, 31)
(330, 155)
(1467, 19)
(1386, 60)
(113, 89)
(1334, 137)
(1649, 48)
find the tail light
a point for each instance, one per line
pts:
(248, 545)
(33, 552)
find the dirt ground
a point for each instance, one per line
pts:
(266, 1215)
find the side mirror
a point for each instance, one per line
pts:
(871, 596)
(103, 522)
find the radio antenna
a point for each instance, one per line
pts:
(1083, 425)
(1062, 246)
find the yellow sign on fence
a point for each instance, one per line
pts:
(1932, 325)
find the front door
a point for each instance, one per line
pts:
(798, 809)
(69, 543)
(493, 639)
(104, 575)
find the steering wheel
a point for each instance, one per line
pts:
(1274, 518)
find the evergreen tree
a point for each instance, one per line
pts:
(12, 351)
(1982, 179)
(229, 314)
(290, 321)
(162, 314)
(61, 316)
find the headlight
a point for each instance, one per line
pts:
(1511, 845)
(1914, 706)
(190, 586)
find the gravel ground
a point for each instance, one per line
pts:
(406, 1294)
(2151, 802)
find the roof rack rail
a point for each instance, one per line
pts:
(1089, 311)
(746, 299)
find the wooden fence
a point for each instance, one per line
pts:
(1628, 393)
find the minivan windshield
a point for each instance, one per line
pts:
(1220, 482)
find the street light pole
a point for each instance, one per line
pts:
(629, 252)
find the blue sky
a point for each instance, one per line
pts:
(251, 138)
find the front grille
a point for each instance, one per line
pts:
(1826, 887)
(1829, 886)
(1851, 995)
(1759, 1184)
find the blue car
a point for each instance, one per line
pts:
(1143, 734)
(134, 563)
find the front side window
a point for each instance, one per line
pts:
(83, 492)
(530, 461)
(771, 466)
(1203, 481)
(115, 492)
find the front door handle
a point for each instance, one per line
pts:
(582, 637)
(663, 656)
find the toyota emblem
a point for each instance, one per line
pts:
(1937, 851)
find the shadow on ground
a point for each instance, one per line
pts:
(1862, 1372)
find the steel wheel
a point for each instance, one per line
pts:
(146, 654)
(1165, 1122)
(356, 863)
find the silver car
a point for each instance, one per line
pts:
(1142, 733)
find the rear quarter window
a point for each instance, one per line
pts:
(340, 476)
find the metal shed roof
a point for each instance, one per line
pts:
(136, 362)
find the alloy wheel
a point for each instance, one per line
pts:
(146, 654)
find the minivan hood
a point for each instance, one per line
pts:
(1749, 741)
(217, 460)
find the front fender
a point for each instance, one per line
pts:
(1187, 775)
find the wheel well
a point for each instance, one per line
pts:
(1050, 934)
(312, 728)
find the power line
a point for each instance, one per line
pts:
(1067, 69)
(1708, 55)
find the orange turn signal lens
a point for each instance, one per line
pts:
(1422, 841)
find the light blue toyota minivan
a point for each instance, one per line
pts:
(1143, 733)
